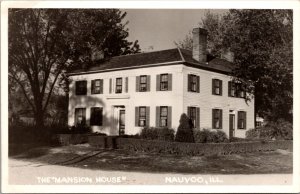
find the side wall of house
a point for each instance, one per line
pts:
(206, 101)
(130, 99)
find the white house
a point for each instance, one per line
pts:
(126, 93)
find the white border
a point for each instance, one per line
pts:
(279, 4)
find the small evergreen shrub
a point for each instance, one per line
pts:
(185, 130)
(210, 136)
(157, 133)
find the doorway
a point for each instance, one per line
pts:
(231, 126)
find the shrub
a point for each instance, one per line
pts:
(280, 129)
(209, 136)
(185, 130)
(79, 129)
(154, 133)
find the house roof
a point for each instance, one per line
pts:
(163, 57)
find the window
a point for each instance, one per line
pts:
(97, 86)
(192, 114)
(163, 82)
(81, 88)
(119, 85)
(79, 116)
(236, 90)
(231, 89)
(193, 83)
(96, 116)
(217, 119)
(239, 91)
(142, 116)
(163, 116)
(143, 83)
(217, 87)
(241, 120)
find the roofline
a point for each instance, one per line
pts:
(190, 64)
(127, 68)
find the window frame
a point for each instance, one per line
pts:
(163, 117)
(142, 117)
(119, 86)
(164, 83)
(217, 117)
(215, 87)
(82, 114)
(193, 82)
(193, 117)
(81, 89)
(242, 118)
(143, 85)
(93, 88)
(93, 118)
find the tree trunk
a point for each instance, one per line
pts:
(39, 119)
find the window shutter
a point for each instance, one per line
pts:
(148, 82)
(221, 119)
(212, 119)
(245, 120)
(198, 84)
(84, 115)
(137, 116)
(137, 83)
(93, 87)
(110, 85)
(229, 88)
(213, 86)
(85, 87)
(101, 86)
(189, 82)
(158, 82)
(221, 87)
(169, 116)
(148, 116)
(239, 119)
(101, 116)
(197, 118)
(126, 84)
(76, 116)
(189, 111)
(157, 116)
(169, 82)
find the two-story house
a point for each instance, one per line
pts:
(127, 93)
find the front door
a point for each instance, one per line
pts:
(122, 122)
(231, 125)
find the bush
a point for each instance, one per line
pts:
(154, 133)
(280, 129)
(209, 136)
(185, 130)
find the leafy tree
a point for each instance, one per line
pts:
(43, 43)
(185, 130)
(261, 41)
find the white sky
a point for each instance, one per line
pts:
(159, 28)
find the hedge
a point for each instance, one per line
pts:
(200, 149)
(67, 139)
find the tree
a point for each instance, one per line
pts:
(261, 41)
(43, 43)
(185, 130)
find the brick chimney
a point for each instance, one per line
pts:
(227, 55)
(200, 44)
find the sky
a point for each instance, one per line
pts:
(159, 28)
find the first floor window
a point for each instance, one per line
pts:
(81, 87)
(192, 114)
(119, 85)
(80, 116)
(241, 120)
(142, 116)
(163, 116)
(217, 119)
(96, 116)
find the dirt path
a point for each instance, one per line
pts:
(27, 172)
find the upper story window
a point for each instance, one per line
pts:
(163, 116)
(217, 87)
(236, 90)
(119, 85)
(97, 86)
(143, 83)
(217, 118)
(193, 83)
(241, 120)
(81, 87)
(163, 82)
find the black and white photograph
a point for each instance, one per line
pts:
(113, 96)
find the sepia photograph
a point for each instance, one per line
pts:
(117, 96)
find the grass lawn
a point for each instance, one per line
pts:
(84, 156)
